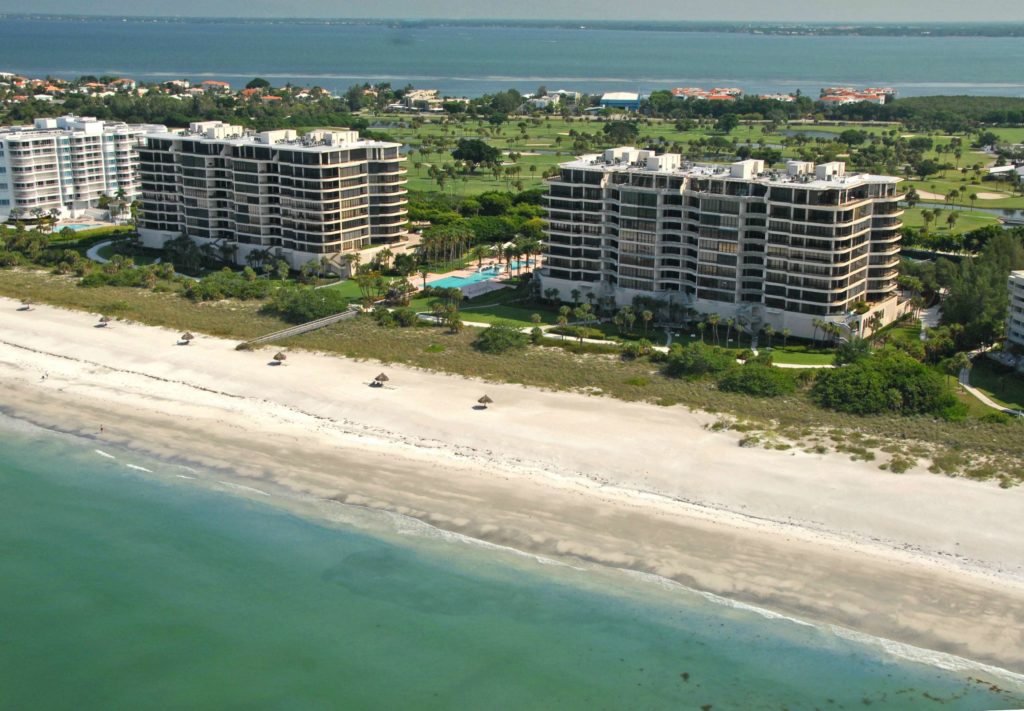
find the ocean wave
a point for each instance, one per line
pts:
(242, 487)
(137, 468)
(907, 652)
(104, 454)
(411, 526)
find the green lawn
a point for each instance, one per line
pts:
(146, 257)
(1006, 388)
(967, 221)
(904, 333)
(347, 287)
(970, 184)
(785, 356)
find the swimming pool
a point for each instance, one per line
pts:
(486, 274)
(76, 227)
(458, 282)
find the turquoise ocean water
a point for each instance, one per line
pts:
(127, 589)
(477, 60)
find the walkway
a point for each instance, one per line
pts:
(93, 253)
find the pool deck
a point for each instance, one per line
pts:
(473, 289)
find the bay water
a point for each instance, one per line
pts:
(128, 582)
(461, 60)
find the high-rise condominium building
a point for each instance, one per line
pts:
(1015, 314)
(67, 164)
(296, 198)
(762, 246)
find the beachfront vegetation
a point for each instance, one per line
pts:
(794, 416)
(501, 338)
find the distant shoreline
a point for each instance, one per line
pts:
(831, 29)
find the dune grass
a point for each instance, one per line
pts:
(997, 450)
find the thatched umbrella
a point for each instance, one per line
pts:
(485, 401)
(280, 357)
(104, 320)
(381, 379)
(187, 337)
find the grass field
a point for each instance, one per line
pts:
(1006, 388)
(545, 142)
(966, 222)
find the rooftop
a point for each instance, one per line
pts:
(823, 176)
(314, 141)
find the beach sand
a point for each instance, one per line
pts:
(927, 560)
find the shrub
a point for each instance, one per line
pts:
(299, 304)
(500, 338)
(697, 360)
(226, 284)
(637, 349)
(888, 381)
(579, 332)
(536, 335)
(996, 418)
(758, 380)
(852, 351)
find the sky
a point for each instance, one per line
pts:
(736, 10)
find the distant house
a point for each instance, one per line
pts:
(620, 100)
(123, 84)
(422, 99)
(215, 86)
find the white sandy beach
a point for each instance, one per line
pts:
(919, 558)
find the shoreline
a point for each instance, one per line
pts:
(625, 485)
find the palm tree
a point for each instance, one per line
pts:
(928, 216)
(713, 320)
(729, 323)
(875, 322)
(951, 219)
(769, 331)
(957, 364)
(701, 326)
(973, 197)
(786, 333)
(647, 316)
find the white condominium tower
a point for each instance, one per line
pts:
(67, 163)
(1015, 315)
(295, 198)
(784, 248)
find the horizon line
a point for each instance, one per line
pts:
(741, 23)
